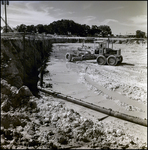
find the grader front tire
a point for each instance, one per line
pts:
(68, 57)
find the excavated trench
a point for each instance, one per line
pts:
(21, 60)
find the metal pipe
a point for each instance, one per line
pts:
(110, 112)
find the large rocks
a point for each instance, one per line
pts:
(5, 106)
(12, 98)
(8, 119)
(24, 92)
(5, 87)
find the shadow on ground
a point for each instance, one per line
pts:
(125, 64)
(122, 64)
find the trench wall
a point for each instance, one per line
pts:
(20, 60)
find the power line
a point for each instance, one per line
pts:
(7, 24)
(5, 3)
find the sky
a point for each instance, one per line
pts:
(123, 17)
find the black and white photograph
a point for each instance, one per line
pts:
(73, 74)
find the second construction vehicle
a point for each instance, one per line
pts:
(102, 53)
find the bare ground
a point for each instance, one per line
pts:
(122, 88)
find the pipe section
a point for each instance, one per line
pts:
(110, 112)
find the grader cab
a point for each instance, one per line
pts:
(102, 53)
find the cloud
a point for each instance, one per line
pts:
(57, 10)
(138, 21)
(33, 18)
(29, 16)
(38, 6)
(132, 25)
(142, 19)
(113, 9)
(71, 12)
(89, 19)
(86, 6)
(107, 21)
(34, 13)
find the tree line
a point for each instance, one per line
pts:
(70, 28)
(66, 27)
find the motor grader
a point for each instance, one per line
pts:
(101, 52)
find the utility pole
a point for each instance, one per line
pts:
(5, 2)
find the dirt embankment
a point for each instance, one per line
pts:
(20, 60)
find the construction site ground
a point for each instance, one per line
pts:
(122, 88)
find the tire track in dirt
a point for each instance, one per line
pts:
(122, 101)
(111, 83)
(121, 80)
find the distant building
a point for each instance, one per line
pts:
(131, 36)
(126, 36)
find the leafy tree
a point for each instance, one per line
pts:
(46, 29)
(31, 28)
(105, 30)
(140, 34)
(95, 30)
(40, 28)
(21, 28)
(86, 29)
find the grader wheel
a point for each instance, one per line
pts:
(111, 60)
(68, 57)
(101, 60)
